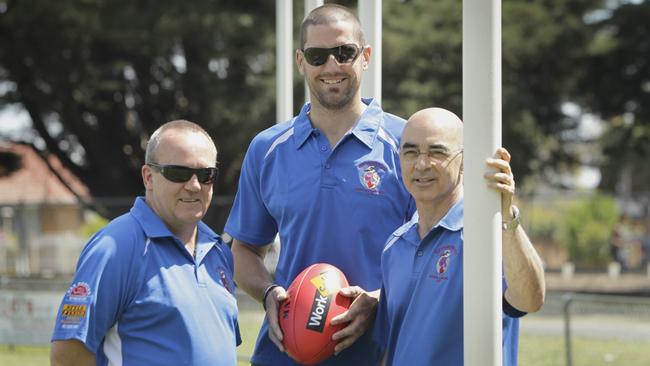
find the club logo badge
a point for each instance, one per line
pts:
(370, 175)
(445, 255)
(79, 291)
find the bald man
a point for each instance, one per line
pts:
(420, 316)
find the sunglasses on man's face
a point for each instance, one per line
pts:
(181, 174)
(343, 54)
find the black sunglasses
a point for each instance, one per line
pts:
(181, 174)
(343, 54)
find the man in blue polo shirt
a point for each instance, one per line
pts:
(420, 317)
(328, 182)
(155, 286)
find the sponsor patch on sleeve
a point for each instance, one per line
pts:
(72, 315)
(75, 305)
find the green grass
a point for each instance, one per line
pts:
(533, 350)
(550, 351)
(24, 356)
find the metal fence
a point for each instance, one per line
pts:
(628, 318)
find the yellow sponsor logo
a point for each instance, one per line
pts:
(78, 311)
(325, 283)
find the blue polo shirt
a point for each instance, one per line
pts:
(420, 315)
(139, 298)
(328, 205)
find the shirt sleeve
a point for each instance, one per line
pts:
(249, 220)
(508, 309)
(97, 296)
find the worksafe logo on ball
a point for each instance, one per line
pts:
(322, 300)
(444, 255)
(370, 175)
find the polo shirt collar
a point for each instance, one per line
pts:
(452, 221)
(365, 129)
(154, 227)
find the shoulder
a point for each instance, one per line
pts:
(394, 124)
(119, 238)
(264, 140)
(397, 235)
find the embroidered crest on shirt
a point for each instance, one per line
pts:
(370, 175)
(224, 279)
(79, 291)
(445, 255)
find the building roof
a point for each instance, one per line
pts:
(34, 182)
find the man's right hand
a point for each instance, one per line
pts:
(273, 300)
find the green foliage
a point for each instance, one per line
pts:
(98, 76)
(544, 48)
(615, 86)
(587, 229)
(543, 224)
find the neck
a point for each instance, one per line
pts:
(187, 237)
(335, 123)
(431, 212)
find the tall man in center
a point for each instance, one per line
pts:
(328, 181)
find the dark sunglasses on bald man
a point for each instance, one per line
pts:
(343, 54)
(181, 174)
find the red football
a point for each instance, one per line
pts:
(305, 316)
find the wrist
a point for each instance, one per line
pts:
(513, 223)
(267, 291)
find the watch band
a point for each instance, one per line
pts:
(512, 224)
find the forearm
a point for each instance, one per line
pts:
(250, 273)
(523, 270)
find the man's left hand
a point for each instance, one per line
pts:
(360, 316)
(502, 180)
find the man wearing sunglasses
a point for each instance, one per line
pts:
(420, 316)
(328, 182)
(155, 286)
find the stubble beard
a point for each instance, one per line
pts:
(335, 101)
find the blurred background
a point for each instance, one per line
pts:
(84, 82)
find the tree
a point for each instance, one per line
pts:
(544, 44)
(616, 86)
(98, 76)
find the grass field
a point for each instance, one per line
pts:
(533, 351)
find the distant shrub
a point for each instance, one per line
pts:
(586, 230)
(543, 224)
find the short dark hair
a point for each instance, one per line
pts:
(329, 13)
(180, 124)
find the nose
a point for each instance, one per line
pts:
(331, 61)
(422, 161)
(193, 185)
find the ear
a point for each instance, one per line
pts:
(367, 51)
(147, 177)
(299, 62)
